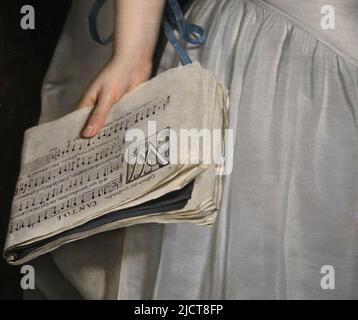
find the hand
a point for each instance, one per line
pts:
(113, 81)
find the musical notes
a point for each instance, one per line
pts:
(67, 168)
(142, 113)
(72, 184)
(77, 174)
(77, 144)
(93, 194)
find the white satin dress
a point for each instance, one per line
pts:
(289, 208)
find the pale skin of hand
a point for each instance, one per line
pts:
(137, 24)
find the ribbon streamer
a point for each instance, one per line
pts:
(172, 20)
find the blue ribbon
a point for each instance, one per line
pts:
(173, 20)
(92, 19)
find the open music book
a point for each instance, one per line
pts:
(159, 159)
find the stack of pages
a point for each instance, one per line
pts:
(159, 159)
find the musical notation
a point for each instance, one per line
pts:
(78, 145)
(43, 198)
(68, 168)
(80, 200)
(81, 172)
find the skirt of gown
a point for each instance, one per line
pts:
(290, 206)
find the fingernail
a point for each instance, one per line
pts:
(88, 131)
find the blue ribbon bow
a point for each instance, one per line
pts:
(173, 20)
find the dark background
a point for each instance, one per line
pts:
(24, 58)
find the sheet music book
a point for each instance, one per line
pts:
(135, 170)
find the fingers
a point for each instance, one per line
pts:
(98, 116)
(88, 99)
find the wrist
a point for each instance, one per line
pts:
(132, 57)
(133, 62)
